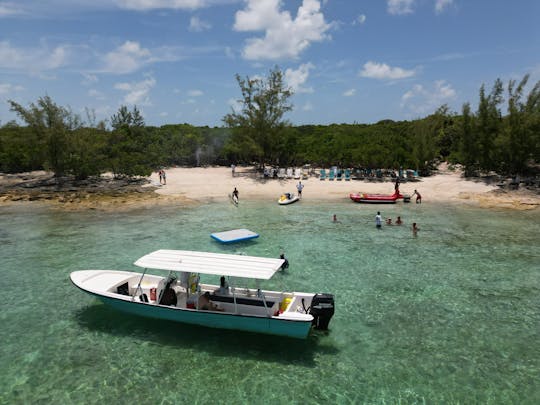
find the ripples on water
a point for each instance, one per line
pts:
(451, 316)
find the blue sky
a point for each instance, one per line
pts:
(346, 60)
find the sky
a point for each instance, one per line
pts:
(347, 61)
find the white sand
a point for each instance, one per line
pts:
(216, 183)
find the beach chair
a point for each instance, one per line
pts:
(339, 174)
(331, 175)
(347, 175)
(323, 174)
(289, 173)
(297, 173)
(282, 173)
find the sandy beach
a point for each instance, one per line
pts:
(203, 184)
(216, 183)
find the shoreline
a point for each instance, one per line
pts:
(188, 186)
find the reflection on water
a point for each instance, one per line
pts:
(450, 316)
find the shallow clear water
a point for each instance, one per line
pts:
(449, 316)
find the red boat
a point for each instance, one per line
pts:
(375, 198)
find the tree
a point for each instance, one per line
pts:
(124, 117)
(469, 142)
(259, 124)
(489, 124)
(53, 124)
(129, 147)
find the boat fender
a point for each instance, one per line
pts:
(153, 295)
(193, 283)
(284, 304)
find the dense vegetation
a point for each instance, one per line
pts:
(502, 135)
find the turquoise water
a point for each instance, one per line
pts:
(449, 316)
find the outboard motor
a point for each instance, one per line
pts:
(322, 310)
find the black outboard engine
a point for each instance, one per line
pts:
(322, 310)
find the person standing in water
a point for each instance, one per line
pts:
(418, 197)
(378, 220)
(235, 194)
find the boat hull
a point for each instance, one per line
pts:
(258, 324)
(288, 201)
(100, 283)
(374, 198)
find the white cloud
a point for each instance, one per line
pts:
(382, 71)
(295, 79)
(349, 93)
(441, 5)
(32, 60)
(229, 53)
(96, 94)
(127, 58)
(195, 93)
(160, 4)
(361, 19)
(307, 106)
(6, 88)
(137, 92)
(420, 100)
(284, 36)
(399, 7)
(198, 25)
(89, 79)
(235, 105)
(10, 9)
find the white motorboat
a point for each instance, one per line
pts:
(288, 198)
(180, 296)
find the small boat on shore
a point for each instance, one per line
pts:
(375, 198)
(179, 296)
(287, 199)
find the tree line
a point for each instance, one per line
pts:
(501, 135)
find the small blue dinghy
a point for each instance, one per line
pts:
(236, 235)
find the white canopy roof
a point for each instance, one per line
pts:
(211, 263)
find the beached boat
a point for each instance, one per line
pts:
(375, 198)
(179, 296)
(287, 199)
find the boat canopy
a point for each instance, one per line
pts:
(211, 263)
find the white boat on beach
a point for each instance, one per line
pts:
(179, 295)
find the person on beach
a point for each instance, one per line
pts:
(164, 177)
(235, 194)
(233, 168)
(418, 197)
(396, 186)
(378, 220)
(414, 228)
(299, 187)
(399, 221)
(160, 176)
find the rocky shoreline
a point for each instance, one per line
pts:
(97, 192)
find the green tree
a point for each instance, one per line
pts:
(130, 148)
(259, 125)
(469, 143)
(53, 124)
(488, 127)
(124, 117)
